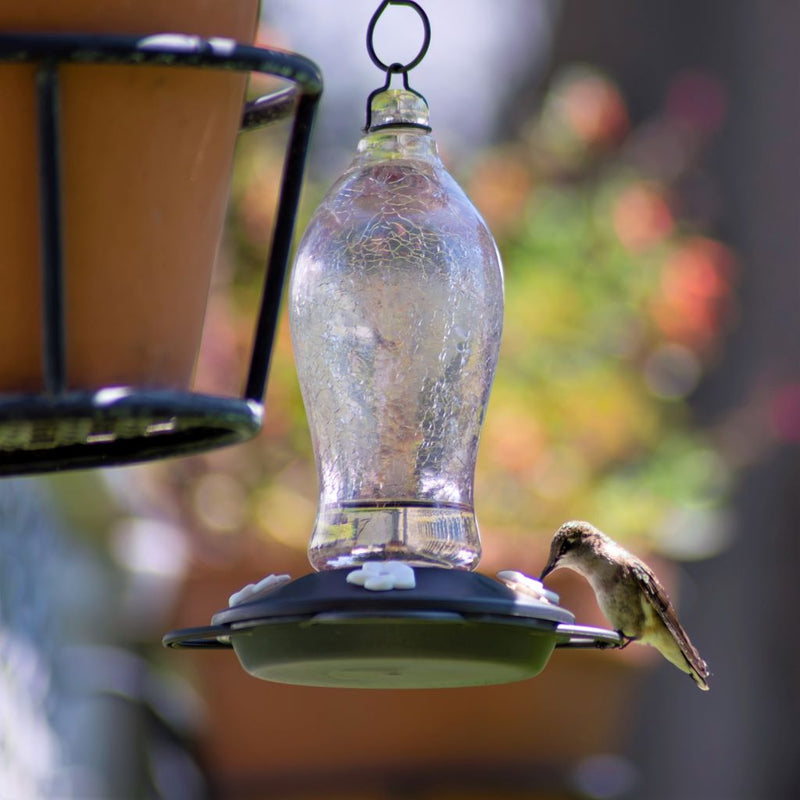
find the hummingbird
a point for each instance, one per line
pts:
(628, 593)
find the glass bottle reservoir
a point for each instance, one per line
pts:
(396, 308)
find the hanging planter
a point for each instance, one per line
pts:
(146, 157)
(116, 160)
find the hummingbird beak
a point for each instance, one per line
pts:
(550, 566)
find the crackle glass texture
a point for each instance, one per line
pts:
(396, 314)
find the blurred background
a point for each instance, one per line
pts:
(639, 167)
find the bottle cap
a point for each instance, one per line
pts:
(398, 108)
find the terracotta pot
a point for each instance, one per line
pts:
(147, 155)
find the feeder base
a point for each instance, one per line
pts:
(454, 628)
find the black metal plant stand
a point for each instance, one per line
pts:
(63, 429)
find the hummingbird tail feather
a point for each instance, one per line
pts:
(699, 676)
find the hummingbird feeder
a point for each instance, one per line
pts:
(396, 309)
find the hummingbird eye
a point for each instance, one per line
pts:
(565, 547)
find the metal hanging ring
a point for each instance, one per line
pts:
(395, 68)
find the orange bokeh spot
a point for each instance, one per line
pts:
(641, 217)
(695, 288)
(594, 110)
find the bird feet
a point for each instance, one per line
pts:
(626, 640)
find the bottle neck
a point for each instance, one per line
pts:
(399, 127)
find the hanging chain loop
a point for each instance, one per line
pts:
(397, 67)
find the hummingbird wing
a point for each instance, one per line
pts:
(657, 597)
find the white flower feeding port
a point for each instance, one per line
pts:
(383, 576)
(396, 306)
